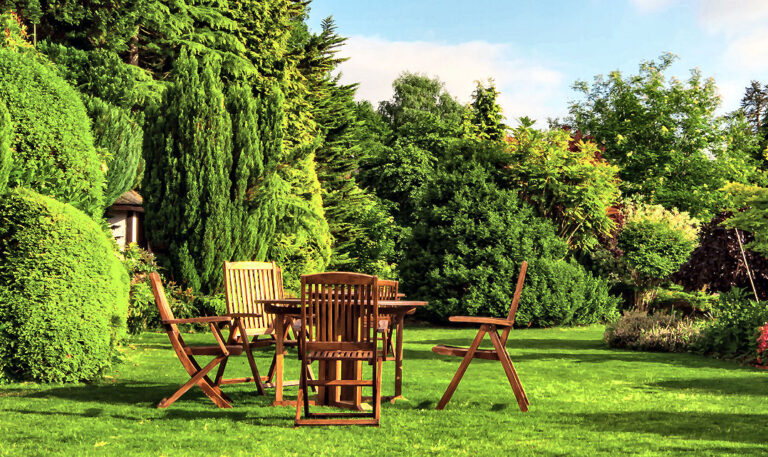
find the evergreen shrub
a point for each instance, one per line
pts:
(467, 246)
(735, 326)
(6, 129)
(54, 153)
(63, 291)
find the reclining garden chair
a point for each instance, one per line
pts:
(186, 353)
(489, 325)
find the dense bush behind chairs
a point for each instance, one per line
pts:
(467, 246)
(52, 144)
(63, 291)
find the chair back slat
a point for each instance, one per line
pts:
(160, 299)
(388, 289)
(247, 282)
(518, 290)
(339, 307)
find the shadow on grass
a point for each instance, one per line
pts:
(755, 386)
(143, 394)
(737, 428)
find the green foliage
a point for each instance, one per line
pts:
(103, 74)
(469, 241)
(654, 332)
(656, 242)
(483, 118)
(121, 137)
(559, 292)
(571, 186)
(6, 158)
(63, 291)
(664, 135)
(53, 146)
(188, 152)
(735, 326)
(749, 205)
(14, 33)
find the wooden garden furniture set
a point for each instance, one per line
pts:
(342, 321)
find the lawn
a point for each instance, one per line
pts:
(585, 400)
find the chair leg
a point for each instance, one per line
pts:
(299, 400)
(215, 388)
(251, 360)
(377, 391)
(509, 369)
(220, 373)
(207, 387)
(462, 368)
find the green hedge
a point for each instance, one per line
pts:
(63, 291)
(54, 152)
(6, 129)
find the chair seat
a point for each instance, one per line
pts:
(343, 355)
(215, 349)
(487, 354)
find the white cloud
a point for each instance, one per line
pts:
(750, 51)
(527, 88)
(651, 6)
(731, 16)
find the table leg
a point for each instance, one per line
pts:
(399, 357)
(279, 352)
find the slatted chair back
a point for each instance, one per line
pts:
(247, 282)
(388, 289)
(339, 308)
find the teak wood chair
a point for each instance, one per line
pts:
(186, 353)
(387, 291)
(489, 325)
(245, 283)
(337, 313)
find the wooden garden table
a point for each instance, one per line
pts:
(287, 308)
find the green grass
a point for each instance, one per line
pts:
(585, 400)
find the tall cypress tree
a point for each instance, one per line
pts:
(187, 184)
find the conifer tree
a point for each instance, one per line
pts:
(483, 118)
(188, 153)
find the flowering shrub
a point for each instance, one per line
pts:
(654, 332)
(762, 344)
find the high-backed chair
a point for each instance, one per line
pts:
(220, 352)
(339, 312)
(489, 325)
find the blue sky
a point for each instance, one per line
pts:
(535, 50)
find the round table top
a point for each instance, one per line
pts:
(288, 305)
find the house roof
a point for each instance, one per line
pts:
(129, 201)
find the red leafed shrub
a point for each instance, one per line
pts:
(717, 264)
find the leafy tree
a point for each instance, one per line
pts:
(53, 147)
(749, 209)
(484, 118)
(188, 152)
(664, 135)
(656, 242)
(566, 181)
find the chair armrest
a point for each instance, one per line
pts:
(481, 320)
(244, 314)
(198, 320)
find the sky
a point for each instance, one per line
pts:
(535, 50)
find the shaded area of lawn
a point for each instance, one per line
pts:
(585, 400)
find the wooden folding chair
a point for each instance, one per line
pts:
(186, 353)
(489, 325)
(337, 313)
(245, 283)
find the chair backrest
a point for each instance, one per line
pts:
(518, 290)
(246, 282)
(162, 304)
(339, 307)
(388, 289)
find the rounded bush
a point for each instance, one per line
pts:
(558, 292)
(63, 291)
(54, 152)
